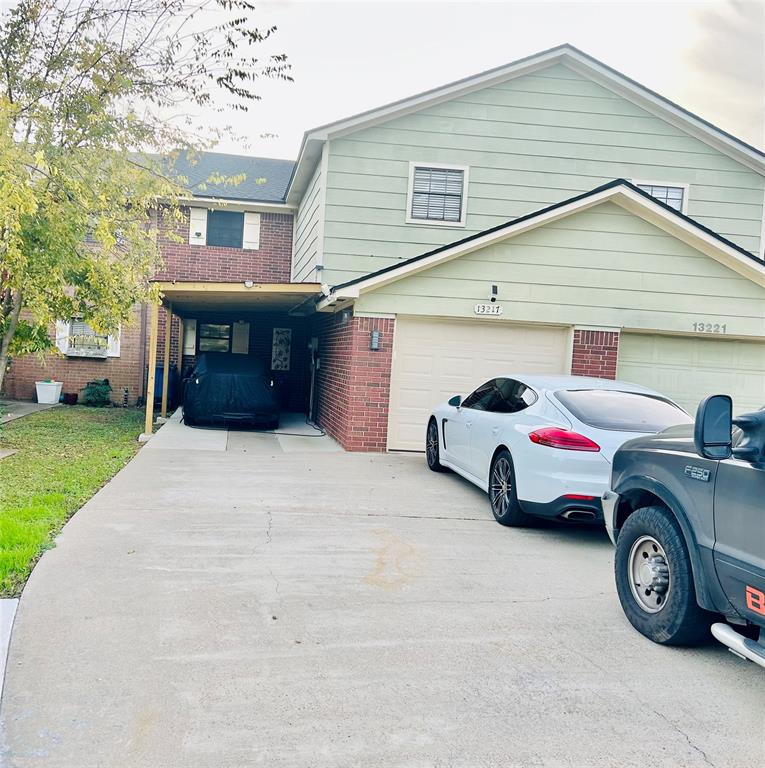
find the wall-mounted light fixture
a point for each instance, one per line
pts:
(374, 340)
(248, 283)
(345, 316)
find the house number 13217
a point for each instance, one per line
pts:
(710, 327)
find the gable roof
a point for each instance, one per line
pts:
(265, 179)
(619, 191)
(313, 140)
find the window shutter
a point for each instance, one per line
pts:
(113, 344)
(62, 335)
(251, 237)
(197, 226)
(189, 337)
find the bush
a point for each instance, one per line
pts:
(97, 393)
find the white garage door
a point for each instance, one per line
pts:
(435, 359)
(688, 369)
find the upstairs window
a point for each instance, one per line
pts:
(437, 194)
(225, 228)
(675, 196)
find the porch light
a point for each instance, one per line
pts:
(374, 340)
(248, 283)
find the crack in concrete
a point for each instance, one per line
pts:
(677, 729)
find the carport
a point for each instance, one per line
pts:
(266, 320)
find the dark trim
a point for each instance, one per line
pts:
(555, 508)
(548, 209)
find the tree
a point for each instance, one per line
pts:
(90, 96)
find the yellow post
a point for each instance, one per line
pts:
(153, 327)
(180, 347)
(166, 363)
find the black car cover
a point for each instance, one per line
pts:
(226, 387)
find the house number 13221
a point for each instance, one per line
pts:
(710, 327)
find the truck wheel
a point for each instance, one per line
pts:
(654, 579)
(503, 494)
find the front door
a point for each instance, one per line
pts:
(740, 535)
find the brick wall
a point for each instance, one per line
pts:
(76, 372)
(353, 382)
(595, 353)
(269, 264)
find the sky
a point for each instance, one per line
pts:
(347, 57)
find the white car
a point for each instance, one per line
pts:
(542, 445)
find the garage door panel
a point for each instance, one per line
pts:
(436, 359)
(687, 369)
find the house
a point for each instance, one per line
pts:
(547, 216)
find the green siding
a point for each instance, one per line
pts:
(603, 266)
(308, 231)
(529, 142)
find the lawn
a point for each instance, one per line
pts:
(64, 456)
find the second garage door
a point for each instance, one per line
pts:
(687, 369)
(435, 359)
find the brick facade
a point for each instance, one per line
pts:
(595, 353)
(76, 372)
(353, 382)
(182, 262)
(269, 264)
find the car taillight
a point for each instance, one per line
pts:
(554, 437)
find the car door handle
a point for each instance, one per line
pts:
(494, 430)
(468, 424)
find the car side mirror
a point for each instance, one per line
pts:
(713, 431)
(456, 401)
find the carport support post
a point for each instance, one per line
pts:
(153, 328)
(166, 359)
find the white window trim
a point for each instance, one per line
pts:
(434, 222)
(63, 334)
(685, 187)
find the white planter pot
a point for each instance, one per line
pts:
(48, 392)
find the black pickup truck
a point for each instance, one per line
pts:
(686, 511)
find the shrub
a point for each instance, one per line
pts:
(97, 393)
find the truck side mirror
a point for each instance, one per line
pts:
(456, 401)
(713, 431)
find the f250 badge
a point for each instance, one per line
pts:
(697, 473)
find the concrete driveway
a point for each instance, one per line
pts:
(227, 608)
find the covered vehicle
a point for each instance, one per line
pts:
(226, 388)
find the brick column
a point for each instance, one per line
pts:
(595, 353)
(353, 382)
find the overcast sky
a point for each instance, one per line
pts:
(350, 56)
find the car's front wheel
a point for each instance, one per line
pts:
(432, 450)
(654, 579)
(503, 494)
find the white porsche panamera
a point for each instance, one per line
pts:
(541, 446)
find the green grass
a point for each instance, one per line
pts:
(64, 456)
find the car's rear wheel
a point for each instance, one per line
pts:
(432, 449)
(654, 579)
(502, 492)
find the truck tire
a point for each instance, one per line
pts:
(655, 582)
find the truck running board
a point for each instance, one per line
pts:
(740, 645)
